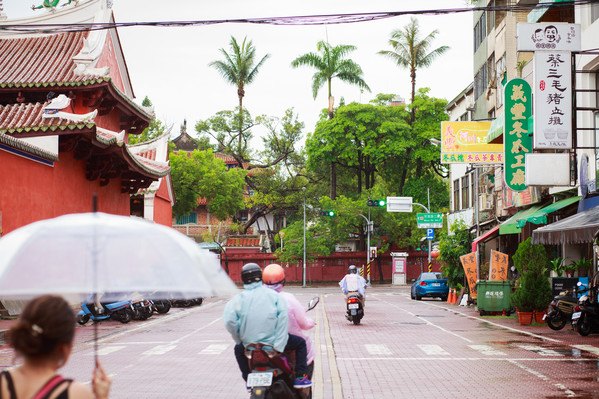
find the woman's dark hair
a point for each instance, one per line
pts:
(46, 322)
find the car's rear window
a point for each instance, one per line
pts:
(431, 276)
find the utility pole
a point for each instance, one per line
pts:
(368, 228)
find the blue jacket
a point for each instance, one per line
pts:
(257, 315)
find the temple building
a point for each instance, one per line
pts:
(66, 113)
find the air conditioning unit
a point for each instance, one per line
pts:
(485, 202)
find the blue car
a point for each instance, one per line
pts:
(430, 285)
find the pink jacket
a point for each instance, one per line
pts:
(299, 321)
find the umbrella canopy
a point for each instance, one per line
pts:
(98, 253)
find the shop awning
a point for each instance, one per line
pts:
(485, 237)
(510, 226)
(540, 216)
(576, 229)
(496, 129)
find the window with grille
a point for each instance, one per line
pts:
(191, 217)
(465, 192)
(456, 195)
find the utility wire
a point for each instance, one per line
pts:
(305, 20)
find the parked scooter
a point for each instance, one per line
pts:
(161, 306)
(142, 309)
(355, 308)
(585, 318)
(120, 311)
(272, 373)
(561, 308)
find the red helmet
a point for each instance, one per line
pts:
(273, 274)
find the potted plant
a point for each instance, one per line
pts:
(533, 291)
(557, 266)
(581, 265)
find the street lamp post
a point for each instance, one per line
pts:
(304, 269)
(429, 240)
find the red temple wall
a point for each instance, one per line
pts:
(32, 191)
(163, 211)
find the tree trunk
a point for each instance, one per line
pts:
(240, 93)
(333, 180)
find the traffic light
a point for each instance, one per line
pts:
(373, 253)
(327, 213)
(377, 202)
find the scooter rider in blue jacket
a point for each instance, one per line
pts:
(259, 315)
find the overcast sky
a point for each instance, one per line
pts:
(170, 65)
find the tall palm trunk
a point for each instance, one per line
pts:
(333, 165)
(240, 93)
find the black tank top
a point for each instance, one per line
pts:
(5, 375)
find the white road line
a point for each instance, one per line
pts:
(466, 359)
(214, 349)
(487, 350)
(428, 322)
(378, 349)
(540, 350)
(433, 350)
(589, 348)
(159, 350)
(493, 324)
(108, 349)
(562, 387)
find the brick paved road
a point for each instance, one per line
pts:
(403, 348)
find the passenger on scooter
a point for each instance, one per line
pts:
(259, 315)
(353, 283)
(274, 278)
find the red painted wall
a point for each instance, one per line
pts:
(328, 268)
(107, 58)
(31, 191)
(163, 211)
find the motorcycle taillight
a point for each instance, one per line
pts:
(577, 308)
(352, 300)
(552, 303)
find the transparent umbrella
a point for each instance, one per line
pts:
(98, 253)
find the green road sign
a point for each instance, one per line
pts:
(517, 141)
(429, 220)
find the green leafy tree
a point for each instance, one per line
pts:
(330, 63)
(155, 129)
(317, 242)
(200, 174)
(451, 247)
(239, 68)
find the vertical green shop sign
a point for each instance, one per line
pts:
(517, 138)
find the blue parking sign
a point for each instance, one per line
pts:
(430, 234)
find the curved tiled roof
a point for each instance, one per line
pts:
(27, 117)
(24, 62)
(27, 147)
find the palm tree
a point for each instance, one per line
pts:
(330, 63)
(412, 52)
(409, 51)
(239, 68)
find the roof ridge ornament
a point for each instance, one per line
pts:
(55, 107)
(52, 4)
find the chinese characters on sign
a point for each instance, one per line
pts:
(466, 142)
(498, 266)
(553, 100)
(470, 270)
(517, 140)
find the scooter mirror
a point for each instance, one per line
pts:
(579, 284)
(313, 302)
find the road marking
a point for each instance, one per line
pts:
(317, 380)
(333, 370)
(428, 322)
(487, 350)
(540, 350)
(562, 387)
(108, 349)
(159, 350)
(492, 323)
(214, 349)
(378, 349)
(433, 350)
(589, 348)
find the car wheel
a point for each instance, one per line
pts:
(412, 294)
(418, 297)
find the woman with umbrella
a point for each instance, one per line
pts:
(43, 336)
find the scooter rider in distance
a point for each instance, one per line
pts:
(352, 283)
(259, 315)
